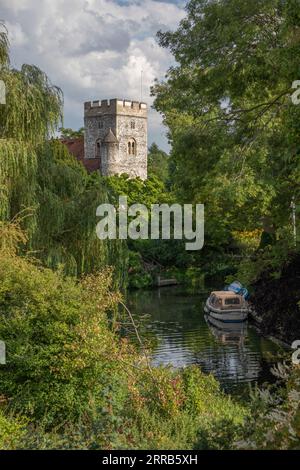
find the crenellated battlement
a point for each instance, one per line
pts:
(113, 106)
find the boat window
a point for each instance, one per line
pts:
(232, 301)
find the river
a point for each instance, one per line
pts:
(173, 321)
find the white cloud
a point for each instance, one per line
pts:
(16, 35)
(15, 5)
(93, 49)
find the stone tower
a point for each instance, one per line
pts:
(116, 135)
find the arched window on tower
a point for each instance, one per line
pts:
(131, 147)
(98, 149)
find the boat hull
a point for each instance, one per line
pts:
(226, 316)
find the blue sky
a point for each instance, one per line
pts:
(94, 49)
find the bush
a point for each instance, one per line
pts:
(274, 420)
(11, 432)
(182, 410)
(59, 347)
(77, 384)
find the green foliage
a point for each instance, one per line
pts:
(79, 386)
(138, 276)
(67, 133)
(153, 253)
(269, 260)
(59, 199)
(149, 253)
(150, 191)
(71, 380)
(274, 421)
(219, 418)
(68, 197)
(180, 411)
(18, 169)
(233, 127)
(158, 164)
(12, 431)
(56, 339)
(33, 107)
(4, 57)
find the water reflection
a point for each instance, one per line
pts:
(227, 333)
(237, 361)
(182, 335)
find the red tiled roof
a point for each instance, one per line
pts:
(76, 148)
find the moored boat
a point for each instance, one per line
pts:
(227, 306)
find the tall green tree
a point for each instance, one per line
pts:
(158, 163)
(68, 133)
(227, 104)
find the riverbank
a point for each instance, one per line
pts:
(276, 302)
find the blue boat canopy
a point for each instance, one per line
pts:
(237, 288)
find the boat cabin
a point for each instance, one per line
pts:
(227, 300)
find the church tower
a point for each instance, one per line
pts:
(116, 135)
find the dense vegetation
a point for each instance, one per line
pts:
(70, 380)
(233, 126)
(149, 258)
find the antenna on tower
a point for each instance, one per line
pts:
(142, 85)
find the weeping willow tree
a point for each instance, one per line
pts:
(33, 108)
(4, 57)
(68, 197)
(42, 181)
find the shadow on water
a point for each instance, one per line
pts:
(181, 334)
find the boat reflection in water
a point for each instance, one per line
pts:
(235, 359)
(227, 333)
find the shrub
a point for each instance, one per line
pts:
(59, 347)
(78, 384)
(274, 421)
(11, 432)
